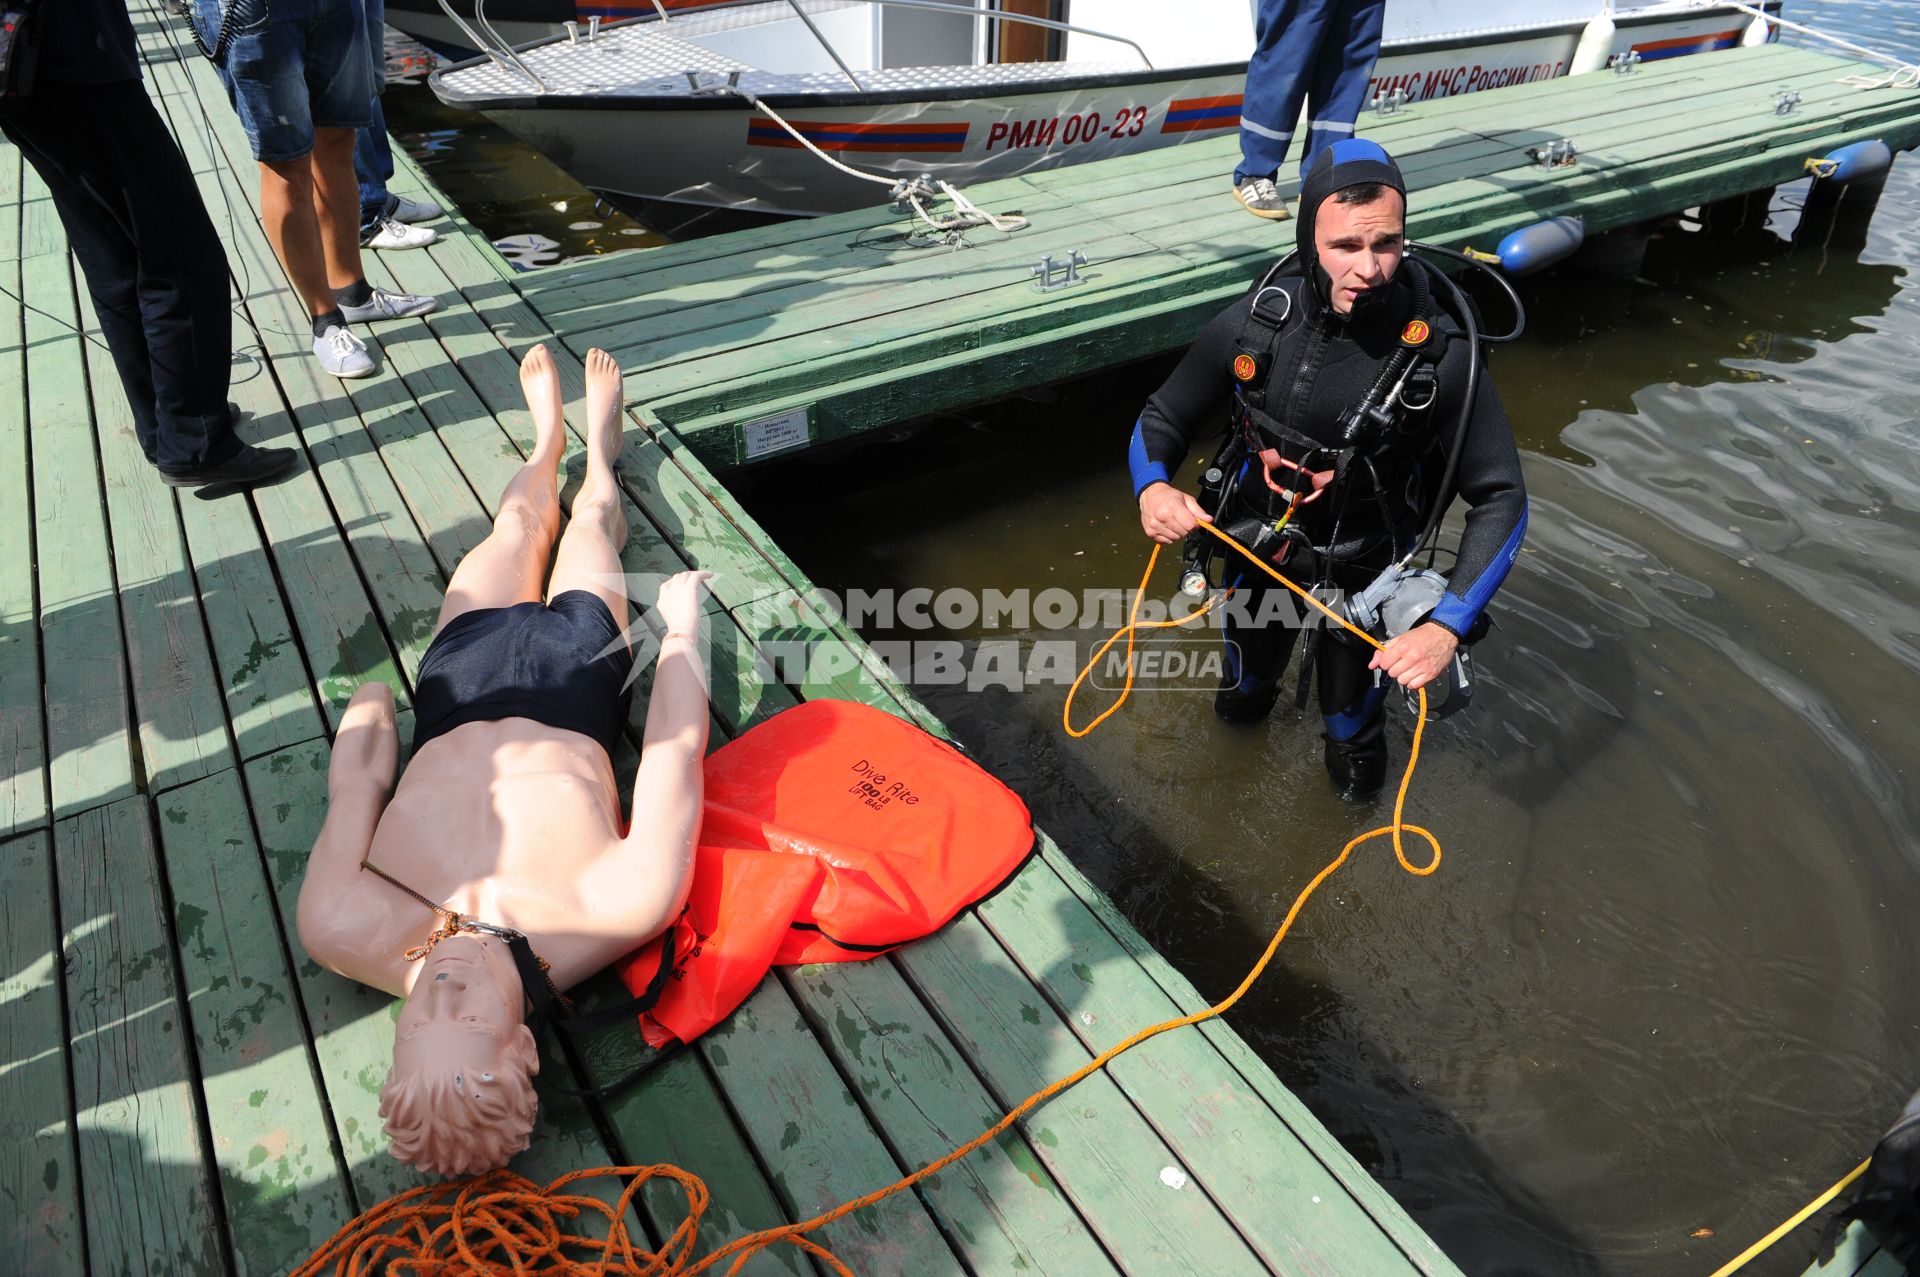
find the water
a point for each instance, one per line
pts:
(1663, 981)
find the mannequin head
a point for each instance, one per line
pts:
(459, 1099)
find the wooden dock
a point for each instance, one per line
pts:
(183, 1092)
(1856, 1255)
(758, 342)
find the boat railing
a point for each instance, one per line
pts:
(495, 46)
(502, 53)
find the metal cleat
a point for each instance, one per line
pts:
(1068, 267)
(1785, 100)
(1390, 103)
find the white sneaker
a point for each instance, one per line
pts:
(390, 232)
(406, 210)
(386, 305)
(1259, 196)
(341, 353)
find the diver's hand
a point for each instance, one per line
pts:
(679, 602)
(1417, 657)
(1168, 514)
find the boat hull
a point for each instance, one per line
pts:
(718, 151)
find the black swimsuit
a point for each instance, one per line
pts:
(564, 664)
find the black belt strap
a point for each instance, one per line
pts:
(548, 1009)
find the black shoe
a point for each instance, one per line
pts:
(1358, 766)
(1245, 707)
(248, 466)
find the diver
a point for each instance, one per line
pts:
(1351, 379)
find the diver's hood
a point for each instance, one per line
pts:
(1352, 161)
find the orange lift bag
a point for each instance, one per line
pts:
(832, 832)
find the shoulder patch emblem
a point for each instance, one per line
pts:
(1245, 367)
(1416, 333)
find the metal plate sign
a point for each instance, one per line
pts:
(777, 434)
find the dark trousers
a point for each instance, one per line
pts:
(155, 268)
(1257, 656)
(372, 151)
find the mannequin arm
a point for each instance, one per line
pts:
(360, 777)
(651, 869)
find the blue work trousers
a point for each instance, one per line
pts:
(1306, 51)
(372, 150)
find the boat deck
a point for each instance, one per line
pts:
(183, 1091)
(842, 324)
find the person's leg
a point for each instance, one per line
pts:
(153, 265)
(1287, 37)
(373, 169)
(58, 141)
(1339, 88)
(1261, 626)
(372, 152)
(589, 557)
(287, 212)
(509, 566)
(1354, 710)
(336, 205)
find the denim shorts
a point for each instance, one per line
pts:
(293, 66)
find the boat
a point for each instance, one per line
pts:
(743, 105)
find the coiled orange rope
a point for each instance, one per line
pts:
(500, 1225)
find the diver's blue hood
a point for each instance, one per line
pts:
(1349, 162)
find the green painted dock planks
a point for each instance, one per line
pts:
(846, 319)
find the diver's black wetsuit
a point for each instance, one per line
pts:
(1322, 364)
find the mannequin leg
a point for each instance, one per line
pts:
(509, 566)
(589, 557)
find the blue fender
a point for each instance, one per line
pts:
(1856, 162)
(1534, 248)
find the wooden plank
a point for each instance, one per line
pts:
(149, 1203)
(284, 1190)
(40, 1225)
(1296, 1213)
(23, 742)
(88, 710)
(271, 698)
(1883, 1264)
(1004, 1209)
(1853, 1251)
(1133, 1190)
(179, 713)
(677, 1116)
(817, 1142)
(1255, 1073)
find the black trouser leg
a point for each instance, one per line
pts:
(1355, 713)
(1261, 628)
(153, 264)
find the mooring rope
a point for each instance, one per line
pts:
(967, 214)
(1905, 75)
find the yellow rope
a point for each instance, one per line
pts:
(1748, 1255)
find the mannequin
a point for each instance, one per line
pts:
(508, 813)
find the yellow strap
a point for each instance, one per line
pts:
(1747, 1256)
